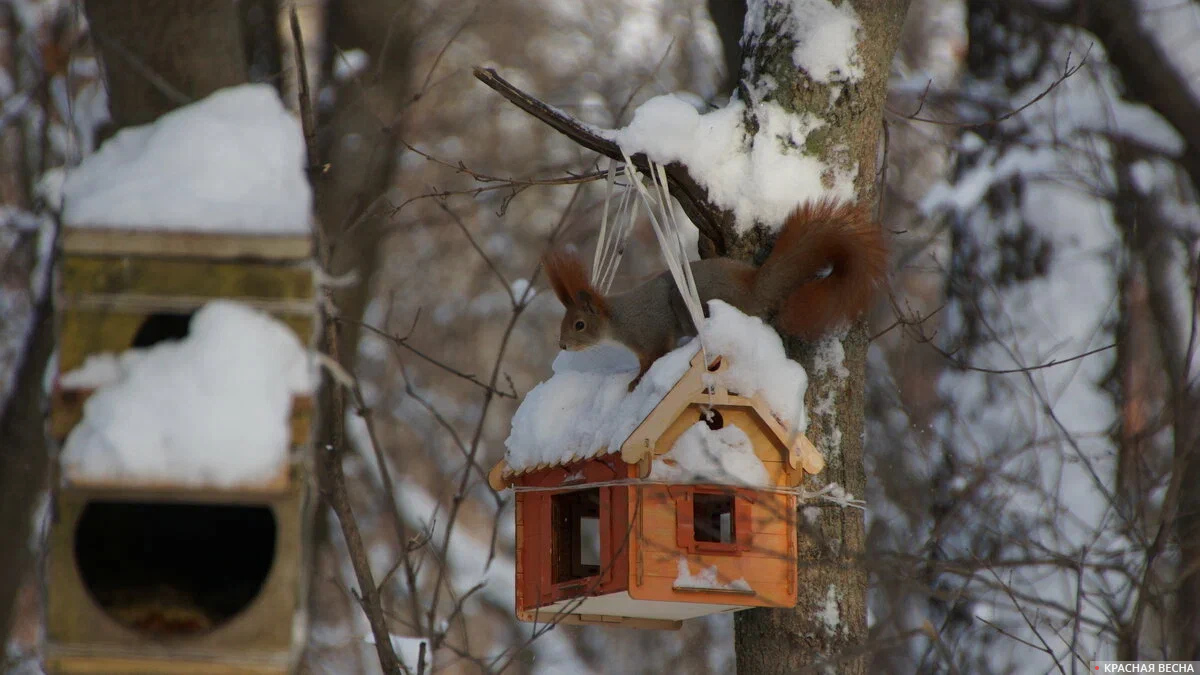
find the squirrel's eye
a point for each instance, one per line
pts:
(579, 325)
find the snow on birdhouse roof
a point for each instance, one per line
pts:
(211, 409)
(230, 163)
(585, 409)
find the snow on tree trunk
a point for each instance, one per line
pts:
(815, 58)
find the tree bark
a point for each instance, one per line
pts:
(25, 461)
(358, 144)
(828, 627)
(158, 56)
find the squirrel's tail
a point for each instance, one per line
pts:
(828, 262)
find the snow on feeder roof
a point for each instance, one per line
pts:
(231, 162)
(585, 410)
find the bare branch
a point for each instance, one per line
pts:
(710, 220)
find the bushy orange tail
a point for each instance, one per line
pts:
(827, 265)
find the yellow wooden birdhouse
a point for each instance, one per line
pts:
(176, 545)
(683, 504)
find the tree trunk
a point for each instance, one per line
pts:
(25, 461)
(828, 626)
(359, 143)
(160, 55)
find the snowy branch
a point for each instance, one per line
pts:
(712, 221)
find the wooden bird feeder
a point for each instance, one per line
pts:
(642, 554)
(158, 577)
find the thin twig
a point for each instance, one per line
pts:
(442, 52)
(1025, 369)
(330, 450)
(158, 81)
(403, 342)
(1068, 72)
(307, 121)
(475, 245)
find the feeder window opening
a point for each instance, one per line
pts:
(575, 519)
(713, 519)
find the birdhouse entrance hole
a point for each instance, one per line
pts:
(576, 534)
(162, 326)
(713, 418)
(174, 569)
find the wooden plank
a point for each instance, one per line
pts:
(769, 516)
(766, 594)
(157, 277)
(178, 304)
(84, 333)
(616, 529)
(82, 664)
(643, 439)
(77, 625)
(573, 474)
(766, 567)
(185, 244)
(264, 492)
(802, 454)
(598, 619)
(166, 490)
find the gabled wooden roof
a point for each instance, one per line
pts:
(640, 448)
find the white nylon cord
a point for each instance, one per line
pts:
(628, 216)
(831, 493)
(672, 246)
(602, 239)
(623, 224)
(610, 243)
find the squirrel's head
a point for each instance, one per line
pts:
(586, 321)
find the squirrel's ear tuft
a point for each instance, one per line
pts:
(561, 271)
(570, 282)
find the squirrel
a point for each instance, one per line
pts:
(828, 261)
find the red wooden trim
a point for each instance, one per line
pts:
(685, 520)
(617, 531)
(535, 570)
(606, 536)
(534, 557)
(596, 470)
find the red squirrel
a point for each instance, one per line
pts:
(827, 264)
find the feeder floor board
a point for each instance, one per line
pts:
(623, 605)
